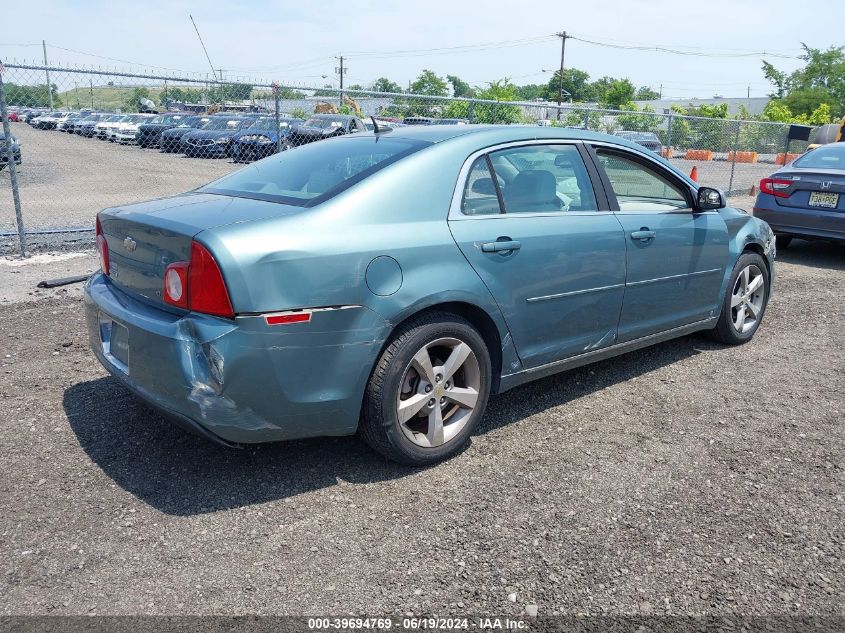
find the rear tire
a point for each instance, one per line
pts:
(435, 370)
(782, 242)
(745, 301)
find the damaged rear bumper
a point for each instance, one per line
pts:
(239, 380)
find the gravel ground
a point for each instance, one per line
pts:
(688, 478)
(66, 179)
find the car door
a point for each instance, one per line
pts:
(527, 218)
(675, 255)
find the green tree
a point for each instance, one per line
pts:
(646, 93)
(529, 92)
(460, 88)
(619, 91)
(31, 96)
(501, 113)
(821, 80)
(639, 120)
(132, 103)
(383, 84)
(575, 82)
(428, 83)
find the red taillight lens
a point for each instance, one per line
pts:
(207, 289)
(176, 284)
(197, 285)
(102, 248)
(776, 187)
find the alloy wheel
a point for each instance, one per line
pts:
(438, 392)
(747, 299)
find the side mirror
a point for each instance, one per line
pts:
(709, 198)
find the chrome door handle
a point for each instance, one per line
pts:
(643, 235)
(501, 246)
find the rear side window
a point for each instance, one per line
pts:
(480, 196)
(313, 173)
(529, 179)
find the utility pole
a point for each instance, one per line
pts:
(46, 70)
(563, 37)
(661, 91)
(220, 72)
(340, 70)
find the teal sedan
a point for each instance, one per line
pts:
(388, 283)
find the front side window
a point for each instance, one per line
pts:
(639, 187)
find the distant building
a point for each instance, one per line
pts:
(754, 105)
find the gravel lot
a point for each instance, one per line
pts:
(66, 179)
(685, 478)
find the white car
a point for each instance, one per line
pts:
(49, 120)
(102, 129)
(127, 130)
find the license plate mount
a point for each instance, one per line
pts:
(114, 338)
(824, 200)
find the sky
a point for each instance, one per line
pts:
(296, 43)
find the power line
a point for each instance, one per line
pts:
(690, 53)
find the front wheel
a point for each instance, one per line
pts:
(428, 390)
(745, 301)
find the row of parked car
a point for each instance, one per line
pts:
(243, 137)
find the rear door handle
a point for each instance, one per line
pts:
(503, 246)
(644, 235)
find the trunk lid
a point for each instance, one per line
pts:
(806, 183)
(144, 238)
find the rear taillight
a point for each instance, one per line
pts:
(775, 187)
(176, 284)
(197, 285)
(102, 248)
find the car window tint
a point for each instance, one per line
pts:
(638, 187)
(480, 196)
(827, 157)
(543, 178)
(315, 172)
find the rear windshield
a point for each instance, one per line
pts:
(313, 173)
(827, 157)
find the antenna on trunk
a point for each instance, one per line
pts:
(376, 128)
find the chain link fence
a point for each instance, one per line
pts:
(86, 139)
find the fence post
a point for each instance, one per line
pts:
(276, 97)
(13, 172)
(733, 162)
(471, 113)
(669, 136)
(586, 120)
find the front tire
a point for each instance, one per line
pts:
(428, 390)
(745, 301)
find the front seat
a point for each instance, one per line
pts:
(532, 190)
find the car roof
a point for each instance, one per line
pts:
(504, 133)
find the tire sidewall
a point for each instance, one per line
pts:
(396, 370)
(745, 260)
